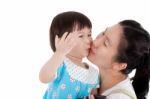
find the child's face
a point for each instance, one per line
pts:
(82, 48)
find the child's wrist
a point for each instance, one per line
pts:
(60, 54)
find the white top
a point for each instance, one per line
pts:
(89, 75)
(124, 85)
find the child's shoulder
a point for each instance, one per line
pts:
(88, 76)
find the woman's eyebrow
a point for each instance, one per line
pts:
(109, 41)
(106, 29)
(107, 37)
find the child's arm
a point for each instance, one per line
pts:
(63, 47)
(47, 73)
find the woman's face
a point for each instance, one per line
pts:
(104, 47)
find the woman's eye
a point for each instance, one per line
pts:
(98, 36)
(106, 43)
(103, 33)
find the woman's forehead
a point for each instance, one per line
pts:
(114, 33)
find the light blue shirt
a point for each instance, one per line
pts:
(72, 82)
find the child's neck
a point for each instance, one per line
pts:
(77, 61)
(74, 58)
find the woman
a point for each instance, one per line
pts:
(117, 51)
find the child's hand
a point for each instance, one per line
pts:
(66, 43)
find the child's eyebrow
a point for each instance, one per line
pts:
(86, 32)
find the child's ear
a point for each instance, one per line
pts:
(119, 66)
(56, 40)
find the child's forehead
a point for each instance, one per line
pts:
(79, 26)
(84, 30)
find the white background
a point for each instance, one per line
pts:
(24, 36)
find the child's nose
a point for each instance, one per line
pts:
(88, 40)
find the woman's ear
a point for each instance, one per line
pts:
(119, 66)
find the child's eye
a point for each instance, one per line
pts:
(81, 36)
(89, 35)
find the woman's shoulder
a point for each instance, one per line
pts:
(121, 90)
(118, 95)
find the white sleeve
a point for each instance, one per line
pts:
(118, 96)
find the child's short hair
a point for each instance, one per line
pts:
(67, 22)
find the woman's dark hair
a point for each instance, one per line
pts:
(67, 22)
(134, 50)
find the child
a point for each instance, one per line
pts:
(67, 75)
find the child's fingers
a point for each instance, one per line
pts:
(73, 42)
(76, 38)
(64, 36)
(72, 36)
(69, 37)
(56, 40)
(77, 34)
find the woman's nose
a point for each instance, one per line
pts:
(98, 41)
(94, 43)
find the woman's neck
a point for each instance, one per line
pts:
(110, 78)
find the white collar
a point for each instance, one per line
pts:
(89, 76)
